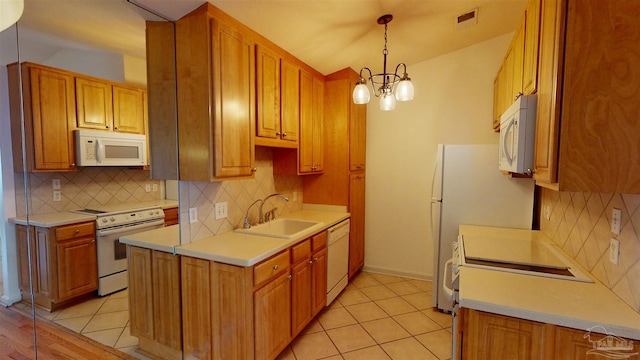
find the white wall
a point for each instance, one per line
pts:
(453, 104)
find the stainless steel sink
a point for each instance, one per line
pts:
(281, 228)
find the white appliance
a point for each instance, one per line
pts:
(469, 189)
(337, 259)
(109, 148)
(517, 135)
(112, 254)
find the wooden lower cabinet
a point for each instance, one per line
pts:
(236, 312)
(154, 302)
(171, 216)
(490, 336)
(272, 311)
(64, 263)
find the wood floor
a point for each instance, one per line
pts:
(54, 342)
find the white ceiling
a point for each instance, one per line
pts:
(327, 34)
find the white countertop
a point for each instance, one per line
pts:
(68, 217)
(162, 239)
(232, 247)
(573, 304)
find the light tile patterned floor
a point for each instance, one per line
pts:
(376, 317)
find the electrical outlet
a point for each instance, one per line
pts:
(193, 215)
(614, 251)
(154, 187)
(55, 183)
(546, 210)
(57, 196)
(147, 187)
(616, 219)
(221, 210)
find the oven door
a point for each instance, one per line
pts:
(112, 255)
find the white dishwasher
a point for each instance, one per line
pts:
(337, 259)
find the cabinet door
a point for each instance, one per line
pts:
(53, 118)
(531, 40)
(268, 88)
(290, 82)
(518, 62)
(140, 292)
(77, 267)
(545, 158)
(196, 308)
(311, 155)
(319, 279)
(356, 236)
(357, 136)
(26, 274)
(272, 314)
(94, 104)
(128, 110)
(165, 270)
(490, 336)
(301, 302)
(234, 101)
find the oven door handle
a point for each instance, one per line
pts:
(447, 290)
(128, 229)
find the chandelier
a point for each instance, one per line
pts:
(389, 87)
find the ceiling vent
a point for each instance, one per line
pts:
(467, 19)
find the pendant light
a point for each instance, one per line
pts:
(389, 87)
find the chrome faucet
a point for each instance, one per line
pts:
(246, 215)
(261, 218)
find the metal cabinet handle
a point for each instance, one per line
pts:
(275, 267)
(77, 231)
(284, 134)
(278, 133)
(289, 277)
(315, 259)
(254, 169)
(310, 262)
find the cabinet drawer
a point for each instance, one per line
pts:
(318, 241)
(300, 251)
(75, 231)
(270, 268)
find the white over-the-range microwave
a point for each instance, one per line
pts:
(517, 136)
(105, 148)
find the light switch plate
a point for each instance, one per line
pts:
(614, 251)
(57, 195)
(193, 215)
(616, 219)
(221, 210)
(55, 183)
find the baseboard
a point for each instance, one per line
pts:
(395, 272)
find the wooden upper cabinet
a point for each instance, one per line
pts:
(268, 88)
(588, 100)
(357, 135)
(278, 99)
(94, 104)
(49, 117)
(215, 62)
(531, 44)
(104, 105)
(290, 100)
(310, 151)
(128, 109)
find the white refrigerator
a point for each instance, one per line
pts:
(468, 188)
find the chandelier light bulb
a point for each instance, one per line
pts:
(361, 93)
(387, 101)
(404, 91)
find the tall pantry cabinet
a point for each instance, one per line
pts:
(343, 181)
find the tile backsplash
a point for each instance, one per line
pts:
(238, 194)
(85, 188)
(580, 223)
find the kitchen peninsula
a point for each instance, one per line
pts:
(549, 317)
(261, 290)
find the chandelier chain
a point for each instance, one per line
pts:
(385, 51)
